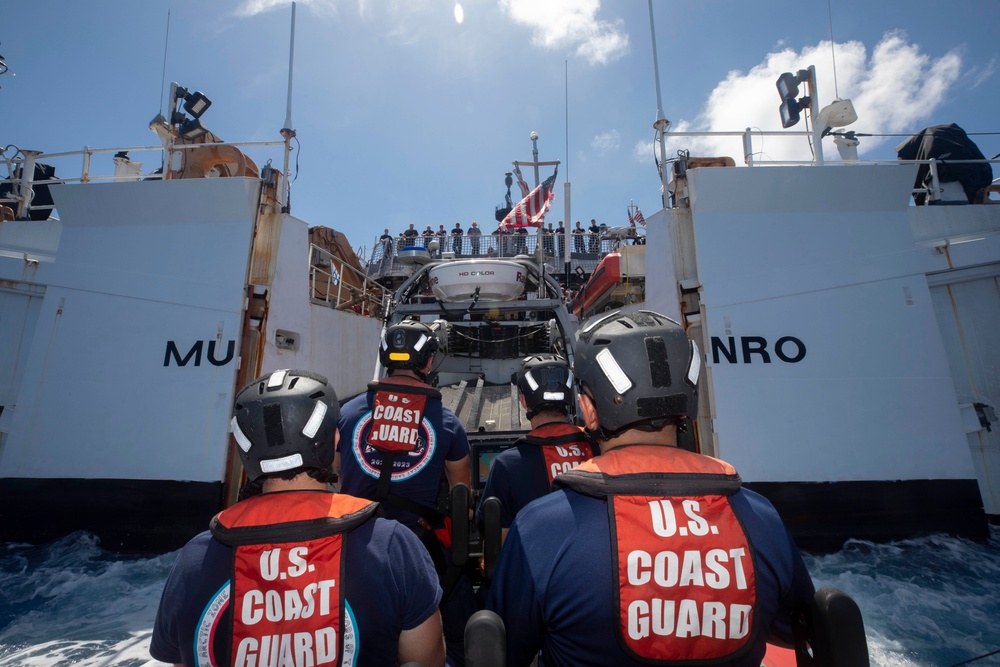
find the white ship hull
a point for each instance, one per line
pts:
(848, 337)
(126, 328)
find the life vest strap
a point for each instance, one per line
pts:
(238, 529)
(384, 495)
(602, 485)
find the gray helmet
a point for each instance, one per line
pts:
(408, 345)
(546, 383)
(286, 421)
(640, 369)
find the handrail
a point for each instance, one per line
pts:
(368, 296)
(23, 188)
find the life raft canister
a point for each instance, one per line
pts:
(685, 572)
(286, 590)
(564, 446)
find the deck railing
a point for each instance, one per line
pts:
(341, 286)
(17, 186)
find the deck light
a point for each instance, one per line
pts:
(192, 129)
(788, 89)
(196, 104)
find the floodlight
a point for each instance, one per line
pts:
(196, 104)
(788, 86)
(192, 129)
(789, 110)
(788, 89)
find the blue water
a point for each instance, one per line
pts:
(931, 601)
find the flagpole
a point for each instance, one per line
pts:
(566, 192)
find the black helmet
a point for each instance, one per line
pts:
(286, 421)
(407, 344)
(546, 383)
(640, 369)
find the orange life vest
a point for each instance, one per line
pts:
(685, 571)
(286, 590)
(564, 446)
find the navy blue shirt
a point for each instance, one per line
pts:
(415, 475)
(554, 583)
(389, 585)
(518, 475)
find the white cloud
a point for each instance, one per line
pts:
(894, 90)
(571, 24)
(607, 142)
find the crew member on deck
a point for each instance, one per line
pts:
(595, 236)
(293, 569)
(411, 234)
(647, 554)
(554, 445)
(456, 239)
(474, 235)
(398, 442)
(578, 235)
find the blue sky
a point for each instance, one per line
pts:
(404, 114)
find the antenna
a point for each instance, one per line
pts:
(661, 124)
(163, 77)
(833, 53)
(287, 132)
(566, 190)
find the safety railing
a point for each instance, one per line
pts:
(334, 282)
(18, 186)
(588, 246)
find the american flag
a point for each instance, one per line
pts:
(638, 217)
(530, 211)
(520, 182)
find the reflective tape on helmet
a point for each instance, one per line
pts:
(277, 379)
(399, 356)
(315, 420)
(694, 370)
(284, 463)
(554, 396)
(531, 381)
(616, 376)
(241, 439)
(420, 343)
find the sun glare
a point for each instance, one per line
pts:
(459, 14)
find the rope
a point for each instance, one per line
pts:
(985, 655)
(499, 340)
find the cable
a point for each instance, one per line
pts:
(985, 655)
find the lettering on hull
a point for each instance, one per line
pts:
(173, 353)
(788, 349)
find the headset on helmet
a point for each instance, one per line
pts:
(407, 345)
(286, 421)
(546, 383)
(640, 369)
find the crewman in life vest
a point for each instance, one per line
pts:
(399, 445)
(295, 574)
(553, 446)
(647, 554)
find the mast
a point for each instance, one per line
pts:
(566, 193)
(661, 124)
(287, 132)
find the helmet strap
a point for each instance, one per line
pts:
(251, 489)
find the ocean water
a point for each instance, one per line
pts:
(932, 601)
